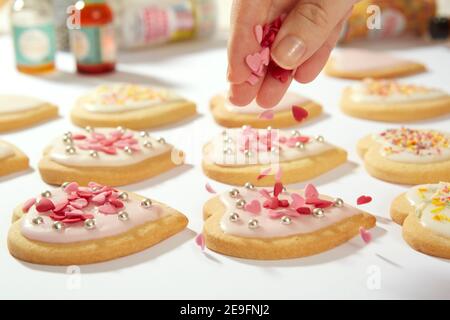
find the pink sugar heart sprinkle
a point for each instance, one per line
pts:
(279, 174)
(200, 241)
(365, 235)
(79, 203)
(253, 79)
(254, 61)
(107, 209)
(44, 205)
(266, 115)
(363, 200)
(264, 173)
(311, 192)
(297, 200)
(71, 187)
(209, 188)
(258, 33)
(99, 199)
(253, 207)
(299, 113)
(28, 204)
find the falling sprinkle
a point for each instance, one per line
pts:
(299, 113)
(209, 188)
(266, 115)
(365, 235)
(264, 173)
(363, 200)
(200, 241)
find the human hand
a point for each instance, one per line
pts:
(303, 44)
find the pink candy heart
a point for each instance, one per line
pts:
(266, 115)
(365, 235)
(28, 204)
(297, 200)
(200, 241)
(254, 61)
(258, 33)
(253, 207)
(44, 205)
(311, 192)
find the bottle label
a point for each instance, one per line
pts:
(94, 45)
(35, 45)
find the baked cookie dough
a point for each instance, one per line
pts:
(424, 212)
(228, 115)
(407, 156)
(388, 100)
(11, 159)
(255, 223)
(75, 225)
(109, 156)
(131, 106)
(17, 112)
(359, 64)
(240, 155)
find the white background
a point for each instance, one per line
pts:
(177, 268)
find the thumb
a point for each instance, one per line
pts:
(305, 30)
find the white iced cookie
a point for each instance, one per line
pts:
(388, 100)
(18, 112)
(130, 105)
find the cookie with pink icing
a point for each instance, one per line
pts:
(267, 224)
(389, 100)
(353, 63)
(74, 225)
(424, 212)
(407, 156)
(17, 112)
(133, 106)
(112, 156)
(240, 155)
(231, 116)
(12, 160)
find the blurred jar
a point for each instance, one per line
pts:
(394, 18)
(142, 23)
(33, 32)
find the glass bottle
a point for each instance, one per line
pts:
(33, 31)
(93, 42)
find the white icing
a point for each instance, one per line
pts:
(272, 227)
(360, 94)
(426, 155)
(5, 151)
(431, 207)
(126, 97)
(13, 103)
(262, 156)
(82, 158)
(286, 103)
(107, 225)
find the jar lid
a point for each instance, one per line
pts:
(439, 27)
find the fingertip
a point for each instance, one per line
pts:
(242, 94)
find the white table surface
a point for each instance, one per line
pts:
(177, 268)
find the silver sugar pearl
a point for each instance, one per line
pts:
(275, 150)
(253, 224)
(123, 196)
(224, 132)
(228, 140)
(57, 225)
(68, 134)
(93, 154)
(143, 134)
(295, 133)
(300, 145)
(121, 129)
(269, 128)
(65, 184)
(248, 153)
(148, 144)
(234, 193)
(245, 127)
(70, 150)
(162, 140)
(249, 186)
(37, 221)
(286, 220)
(89, 129)
(67, 140)
(89, 224)
(123, 216)
(128, 150)
(338, 202)
(146, 203)
(234, 217)
(318, 213)
(46, 194)
(228, 151)
(320, 139)
(240, 204)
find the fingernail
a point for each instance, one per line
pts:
(288, 52)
